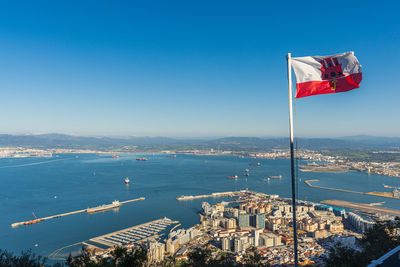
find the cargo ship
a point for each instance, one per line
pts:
(232, 177)
(255, 164)
(113, 205)
(275, 177)
(141, 159)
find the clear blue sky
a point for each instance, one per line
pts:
(192, 68)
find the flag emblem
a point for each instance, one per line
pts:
(325, 75)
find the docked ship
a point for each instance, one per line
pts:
(113, 205)
(255, 164)
(127, 181)
(275, 177)
(232, 177)
(36, 220)
(32, 221)
(141, 159)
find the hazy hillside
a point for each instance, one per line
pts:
(226, 143)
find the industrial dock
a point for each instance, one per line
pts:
(37, 220)
(362, 207)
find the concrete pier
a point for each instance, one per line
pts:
(67, 213)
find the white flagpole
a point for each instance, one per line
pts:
(289, 69)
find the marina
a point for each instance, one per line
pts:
(89, 210)
(134, 234)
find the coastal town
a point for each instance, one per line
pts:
(328, 163)
(318, 161)
(254, 223)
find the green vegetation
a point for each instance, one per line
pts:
(120, 257)
(377, 241)
(26, 259)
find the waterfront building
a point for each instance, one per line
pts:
(358, 222)
(244, 219)
(155, 252)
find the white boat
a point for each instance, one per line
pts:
(127, 181)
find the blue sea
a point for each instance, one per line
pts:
(49, 186)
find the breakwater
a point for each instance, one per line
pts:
(217, 194)
(65, 214)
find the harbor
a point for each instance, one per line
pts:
(37, 220)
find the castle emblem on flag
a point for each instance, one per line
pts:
(331, 70)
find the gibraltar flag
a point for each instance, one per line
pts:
(325, 75)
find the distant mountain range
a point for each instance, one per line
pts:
(164, 143)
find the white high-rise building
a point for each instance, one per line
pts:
(226, 244)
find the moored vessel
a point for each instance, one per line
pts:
(275, 177)
(114, 204)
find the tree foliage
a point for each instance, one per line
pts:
(119, 257)
(376, 242)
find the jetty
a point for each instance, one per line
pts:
(65, 214)
(362, 207)
(218, 194)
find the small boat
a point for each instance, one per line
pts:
(246, 174)
(255, 164)
(232, 177)
(171, 156)
(127, 181)
(141, 159)
(246, 170)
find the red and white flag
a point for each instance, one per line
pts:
(325, 75)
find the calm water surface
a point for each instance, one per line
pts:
(67, 183)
